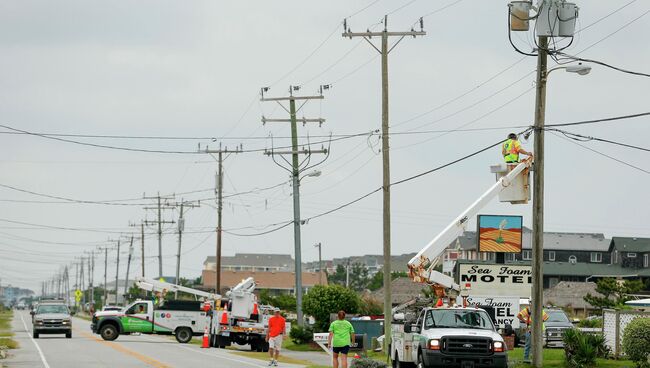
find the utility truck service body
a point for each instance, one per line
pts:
(183, 319)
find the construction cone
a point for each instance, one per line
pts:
(224, 318)
(356, 356)
(255, 311)
(439, 303)
(206, 338)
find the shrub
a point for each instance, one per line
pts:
(636, 341)
(370, 306)
(367, 363)
(582, 349)
(320, 301)
(301, 335)
(591, 323)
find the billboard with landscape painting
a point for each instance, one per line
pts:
(499, 233)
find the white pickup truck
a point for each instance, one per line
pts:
(183, 319)
(448, 337)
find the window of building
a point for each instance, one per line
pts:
(596, 257)
(645, 260)
(551, 256)
(510, 257)
(527, 255)
(573, 259)
(631, 255)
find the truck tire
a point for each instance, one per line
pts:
(419, 363)
(68, 335)
(184, 335)
(35, 335)
(265, 347)
(254, 345)
(109, 332)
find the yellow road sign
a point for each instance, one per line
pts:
(78, 293)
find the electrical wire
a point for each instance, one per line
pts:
(602, 154)
(602, 120)
(575, 58)
(605, 17)
(585, 138)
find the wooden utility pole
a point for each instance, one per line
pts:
(181, 228)
(320, 264)
(295, 176)
(117, 269)
(142, 245)
(105, 274)
(538, 202)
(128, 268)
(160, 207)
(219, 192)
(91, 277)
(385, 149)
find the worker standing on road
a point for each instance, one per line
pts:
(274, 335)
(512, 148)
(340, 339)
(526, 316)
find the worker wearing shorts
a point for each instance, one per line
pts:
(274, 335)
(340, 339)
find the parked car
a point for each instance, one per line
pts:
(556, 324)
(51, 318)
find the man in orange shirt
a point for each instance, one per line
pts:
(274, 335)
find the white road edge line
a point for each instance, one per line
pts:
(40, 352)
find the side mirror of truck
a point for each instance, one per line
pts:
(407, 327)
(508, 331)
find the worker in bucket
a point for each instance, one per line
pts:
(525, 316)
(274, 336)
(512, 148)
(340, 339)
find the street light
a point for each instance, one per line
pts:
(579, 69)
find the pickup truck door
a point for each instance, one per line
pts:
(138, 318)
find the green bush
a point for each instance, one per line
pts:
(591, 323)
(636, 341)
(582, 349)
(366, 363)
(320, 301)
(301, 335)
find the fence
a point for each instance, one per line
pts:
(614, 323)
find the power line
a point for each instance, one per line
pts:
(605, 65)
(602, 154)
(602, 120)
(584, 138)
(605, 17)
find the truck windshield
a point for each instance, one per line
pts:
(42, 309)
(457, 318)
(557, 316)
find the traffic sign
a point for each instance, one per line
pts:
(77, 295)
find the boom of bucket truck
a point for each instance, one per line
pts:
(421, 266)
(166, 287)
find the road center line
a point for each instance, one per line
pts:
(114, 345)
(40, 352)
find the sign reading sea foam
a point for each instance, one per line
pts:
(497, 280)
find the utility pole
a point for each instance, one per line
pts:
(159, 222)
(128, 268)
(219, 192)
(105, 273)
(538, 202)
(91, 276)
(320, 264)
(181, 228)
(142, 245)
(83, 285)
(296, 169)
(117, 269)
(76, 283)
(385, 50)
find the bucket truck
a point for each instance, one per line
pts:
(244, 321)
(181, 318)
(448, 335)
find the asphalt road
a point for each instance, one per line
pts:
(88, 350)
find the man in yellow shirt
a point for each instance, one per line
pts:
(525, 316)
(512, 148)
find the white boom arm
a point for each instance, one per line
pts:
(245, 286)
(421, 266)
(160, 286)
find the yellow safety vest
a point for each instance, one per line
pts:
(511, 148)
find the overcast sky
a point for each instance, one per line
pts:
(194, 69)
